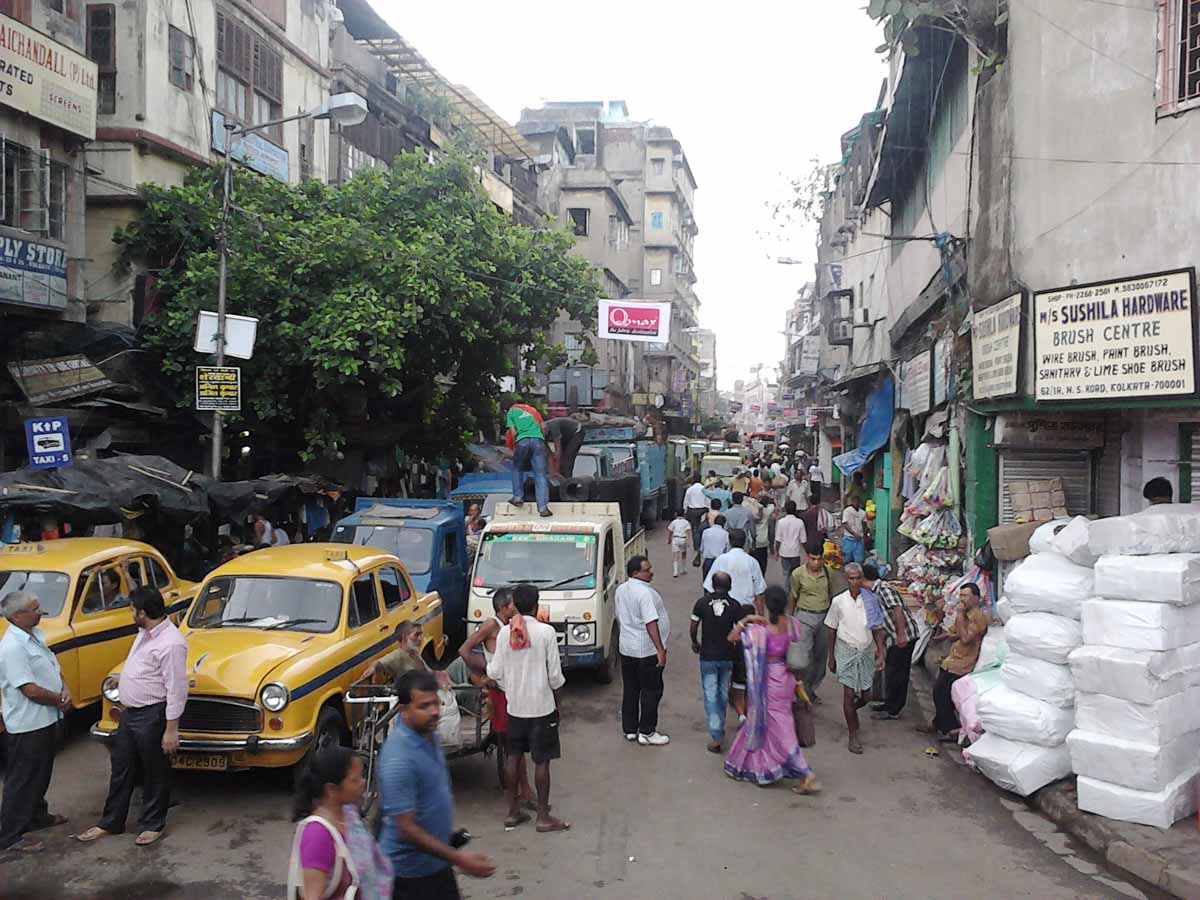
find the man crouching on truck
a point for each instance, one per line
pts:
(528, 669)
(477, 651)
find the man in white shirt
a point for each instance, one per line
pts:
(816, 478)
(679, 534)
(695, 505)
(529, 671)
(789, 540)
(856, 650)
(798, 490)
(713, 543)
(748, 581)
(645, 628)
(853, 522)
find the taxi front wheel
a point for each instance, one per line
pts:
(331, 729)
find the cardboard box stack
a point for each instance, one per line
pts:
(1136, 745)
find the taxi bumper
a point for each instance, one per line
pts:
(250, 744)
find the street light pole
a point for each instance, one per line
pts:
(345, 109)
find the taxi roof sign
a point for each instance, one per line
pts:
(336, 555)
(24, 548)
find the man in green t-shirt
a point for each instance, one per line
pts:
(525, 436)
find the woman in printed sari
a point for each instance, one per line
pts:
(765, 749)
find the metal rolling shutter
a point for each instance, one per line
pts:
(1192, 456)
(1108, 467)
(1074, 468)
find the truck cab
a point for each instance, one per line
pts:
(429, 537)
(577, 561)
(647, 457)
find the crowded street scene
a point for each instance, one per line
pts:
(403, 498)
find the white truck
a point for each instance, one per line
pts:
(576, 558)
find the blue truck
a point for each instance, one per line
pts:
(649, 459)
(429, 537)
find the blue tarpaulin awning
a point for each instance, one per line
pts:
(876, 428)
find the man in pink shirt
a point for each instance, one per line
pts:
(153, 689)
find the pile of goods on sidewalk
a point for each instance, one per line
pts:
(1102, 677)
(1136, 747)
(1027, 719)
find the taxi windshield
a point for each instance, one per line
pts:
(49, 587)
(567, 561)
(723, 467)
(414, 546)
(286, 604)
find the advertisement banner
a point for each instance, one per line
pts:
(995, 341)
(810, 355)
(1117, 339)
(49, 81)
(635, 320)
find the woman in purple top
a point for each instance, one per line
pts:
(766, 749)
(332, 849)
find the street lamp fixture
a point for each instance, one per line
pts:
(343, 109)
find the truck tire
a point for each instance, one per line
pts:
(577, 490)
(608, 666)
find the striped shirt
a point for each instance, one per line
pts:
(890, 599)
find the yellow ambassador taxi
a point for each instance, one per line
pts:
(83, 587)
(275, 638)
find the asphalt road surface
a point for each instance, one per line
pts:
(648, 822)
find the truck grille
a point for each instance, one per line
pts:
(220, 715)
(560, 632)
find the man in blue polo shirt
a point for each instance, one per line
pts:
(417, 803)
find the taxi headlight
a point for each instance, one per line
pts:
(274, 697)
(110, 689)
(583, 633)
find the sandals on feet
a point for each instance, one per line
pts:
(92, 834)
(513, 821)
(553, 825)
(146, 838)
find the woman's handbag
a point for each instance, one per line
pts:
(806, 726)
(799, 656)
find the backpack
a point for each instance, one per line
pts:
(342, 858)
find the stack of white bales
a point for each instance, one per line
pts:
(1136, 747)
(1027, 719)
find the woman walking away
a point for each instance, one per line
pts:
(332, 851)
(765, 749)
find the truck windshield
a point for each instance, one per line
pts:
(414, 546)
(292, 604)
(586, 464)
(723, 466)
(620, 454)
(506, 559)
(49, 587)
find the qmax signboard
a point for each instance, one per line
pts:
(1117, 339)
(48, 441)
(635, 320)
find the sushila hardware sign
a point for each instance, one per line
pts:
(49, 81)
(1117, 339)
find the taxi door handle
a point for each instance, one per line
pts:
(383, 628)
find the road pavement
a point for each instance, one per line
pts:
(647, 821)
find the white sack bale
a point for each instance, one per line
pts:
(1139, 626)
(1139, 676)
(1166, 528)
(1020, 717)
(993, 650)
(1043, 636)
(1072, 542)
(1162, 809)
(1049, 582)
(1143, 767)
(1004, 609)
(1158, 723)
(1039, 679)
(1172, 578)
(1018, 767)
(1042, 539)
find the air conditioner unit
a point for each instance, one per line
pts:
(862, 317)
(841, 330)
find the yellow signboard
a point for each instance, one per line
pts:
(219, 388)
(49, 81)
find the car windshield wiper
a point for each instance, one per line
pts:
(240, 620)
(550, 585)
(290, 622)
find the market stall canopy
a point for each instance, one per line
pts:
(876, 428)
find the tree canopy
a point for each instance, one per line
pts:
(388, 307)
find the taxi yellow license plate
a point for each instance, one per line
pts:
(204, 762)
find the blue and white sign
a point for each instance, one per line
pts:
(49, 442)
(252, 150)
(32, 273)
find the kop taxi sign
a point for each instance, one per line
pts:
(219, 388)
(48, 441)
(635, 320)
(1117, 339)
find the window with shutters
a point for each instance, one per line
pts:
(181, 54)
(102, 50)
(249, 76)
(33, 191)
(1178, 82)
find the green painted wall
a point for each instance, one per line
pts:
(981, 487)
(885, 528)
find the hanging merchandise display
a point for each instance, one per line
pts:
(933, 567)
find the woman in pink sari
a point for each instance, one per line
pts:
(765, 749)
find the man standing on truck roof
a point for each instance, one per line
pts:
(525, 436)
(566, 435)
(645, 628)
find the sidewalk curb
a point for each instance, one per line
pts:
(1057, 802)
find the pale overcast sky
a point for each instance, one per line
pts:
(752, 91)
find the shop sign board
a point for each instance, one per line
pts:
(810, 355)
(252, 150)
(219, 388)
(995, 346)
(635, 320)
(45, 381)
(48, 441)
(32, 273)
(915, 384)
(46, 79)
(1058, 432)
(1115, 340)
(941, 370)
